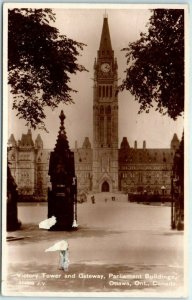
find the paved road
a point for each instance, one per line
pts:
(118, 247)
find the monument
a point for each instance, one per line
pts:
(63, 191)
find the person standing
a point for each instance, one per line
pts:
(64, 260)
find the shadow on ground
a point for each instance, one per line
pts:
(30, 233)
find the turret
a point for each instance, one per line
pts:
(26, 140)
(86, 143)
(12, 142)
(175, 142)
(124, 143)
(38, 142)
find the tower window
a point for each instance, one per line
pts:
(103, 91)
(109, 130)
(106, 91)
(101, 110)
(101, 130)
(110, 91)
(99, 91)
(108, 109)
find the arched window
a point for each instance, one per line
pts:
(109, 131)
(103, 91)
(108, 110)
(101, 110)
(110, 91)
(107, 91)
(99, 91)
(101, 130)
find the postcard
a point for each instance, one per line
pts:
(95, 107)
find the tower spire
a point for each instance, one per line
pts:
(105, 48)
(62, 142)
(105, 14)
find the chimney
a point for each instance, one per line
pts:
(144, 144)
(135, 145)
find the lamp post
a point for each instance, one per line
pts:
(172, 203)
(163, 193)
(75, 225)
(163, 190)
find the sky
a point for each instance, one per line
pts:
(85, 25)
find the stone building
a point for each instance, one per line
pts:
(146, 170)
(28, 163)
(100, 167)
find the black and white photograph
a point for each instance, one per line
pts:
(94, 123)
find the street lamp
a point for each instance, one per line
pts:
(74, 225)
(163, 190)
(172, 203)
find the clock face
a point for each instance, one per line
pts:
(105, 67)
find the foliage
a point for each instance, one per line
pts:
(40, 62)
(178, 164)
(155, 64)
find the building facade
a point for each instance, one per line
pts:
(102, 166)
(29, 163)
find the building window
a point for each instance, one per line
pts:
(110, 91)
(108, 110)
(106, 91)
(103, 91)
(101, 130)
(99, 91)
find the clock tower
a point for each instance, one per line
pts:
(105, 117)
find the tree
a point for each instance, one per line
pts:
(178, 165)
(155, 64)
(178, 173)
(40, 62)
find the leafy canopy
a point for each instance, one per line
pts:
(155, 64)
(178, 164)
(40, 62)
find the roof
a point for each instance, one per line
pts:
(26, 140)
(156, 156)
(39, 142)
(124, 143)
(11, 141)
(105, 48)
(86, 143)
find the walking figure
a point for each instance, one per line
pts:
(64, 260)
(93, 199)
(63, 248)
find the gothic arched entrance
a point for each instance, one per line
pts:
(105, 187)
